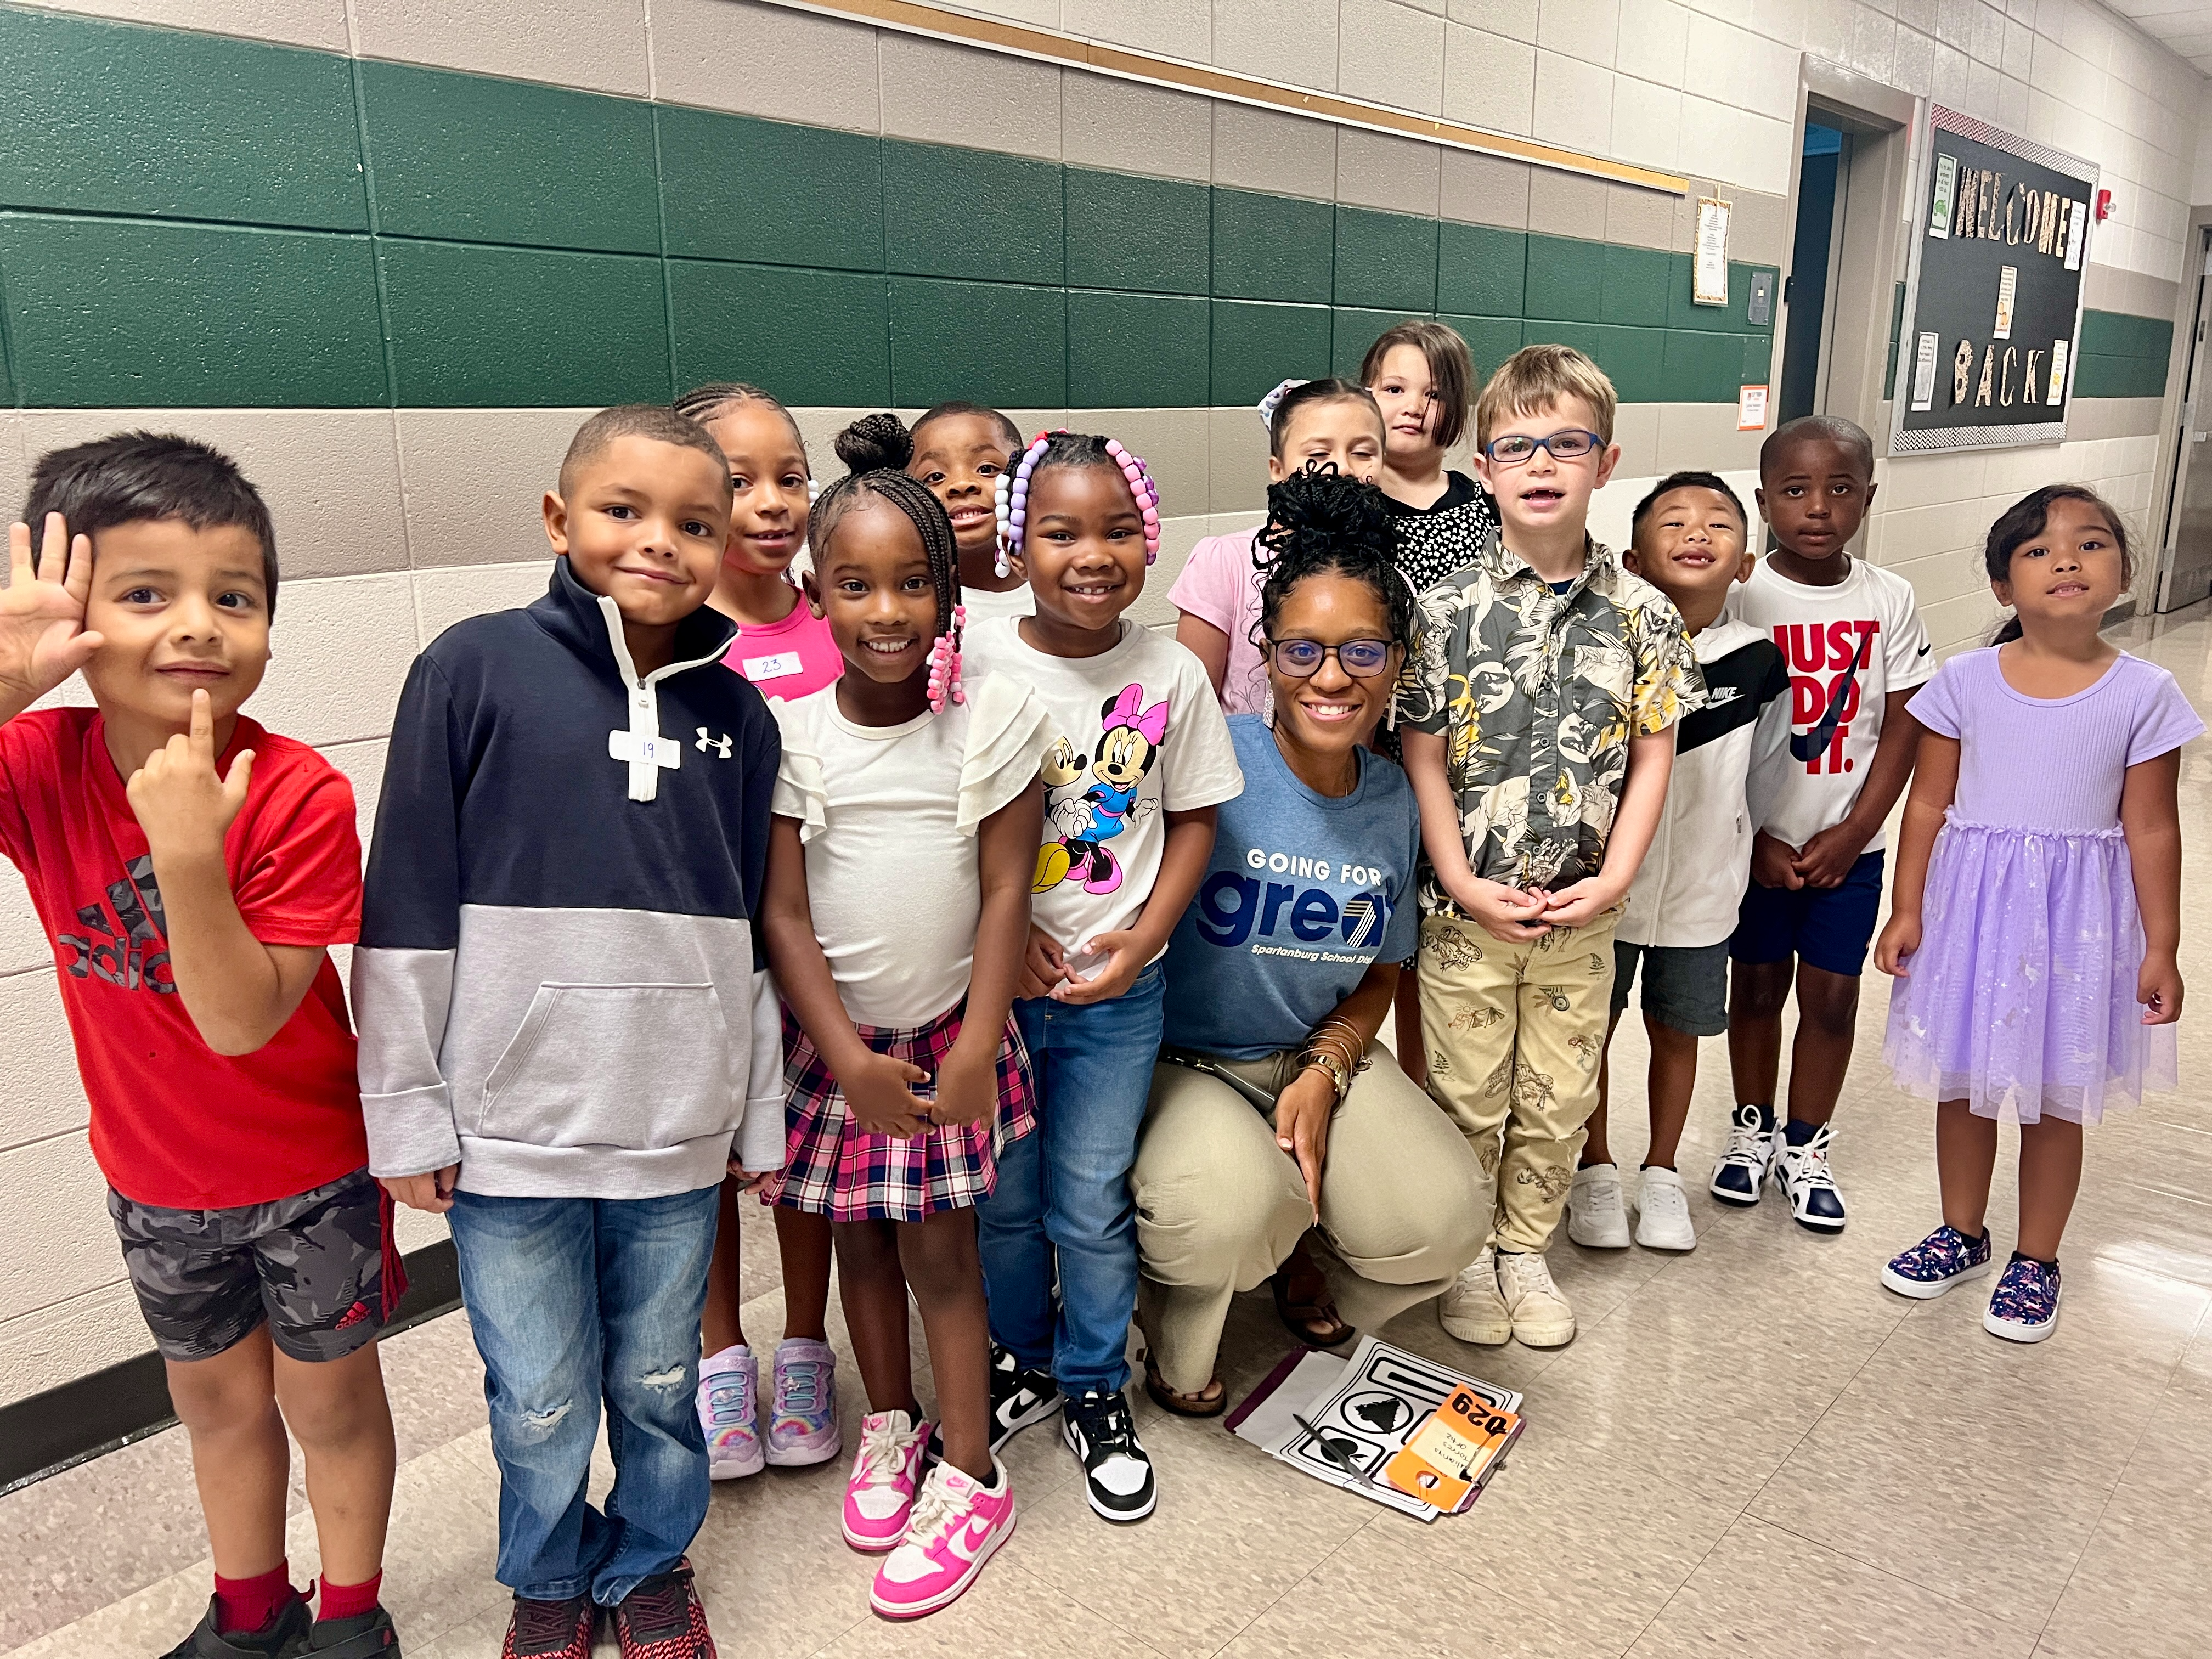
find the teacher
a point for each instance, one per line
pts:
(1270, 1109)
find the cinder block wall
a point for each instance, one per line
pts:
(390, 253)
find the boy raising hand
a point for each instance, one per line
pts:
(191, 871)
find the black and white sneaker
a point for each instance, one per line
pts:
(1801, 1172)
(1116, 1473)
(1019, 1396)
(1742, 1168)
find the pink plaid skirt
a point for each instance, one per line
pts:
(833, 1167)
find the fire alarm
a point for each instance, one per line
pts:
(2104, 205)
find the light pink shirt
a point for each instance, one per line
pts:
(1219, 585)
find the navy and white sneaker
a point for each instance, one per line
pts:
(1019, 1396)
(1946, 1257)
(1117, 1476)
(2024, 1307)
(1803, 1173)
(1742, 1168)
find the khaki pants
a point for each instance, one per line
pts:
(1220, 1205)
(1514, 1034)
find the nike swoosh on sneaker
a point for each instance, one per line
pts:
(971, 1538)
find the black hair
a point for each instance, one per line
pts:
(2024, 520)
(875, 443)
(861, 446)
(1070, 449)
(1674, 481)
(707, 402)
(1321, 522)
(1316, 391)
(1008, 429)
(1451, 370)
(1821, 428)
(657, 422)
(130, 477)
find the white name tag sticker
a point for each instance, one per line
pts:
(773, 667)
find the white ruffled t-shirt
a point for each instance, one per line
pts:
(887, 816)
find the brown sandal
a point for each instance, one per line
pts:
(1184, 1404)
(1301, 1302)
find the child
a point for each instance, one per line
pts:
(1422, 379)
(1311, 423)
(787, 652)
(961, 450)
(565, 1024)
(1692, 542)
(1855, 652)
(907, 1076)
(214, 863)
(1130, 792)
(1541, 737)
(2037, 910)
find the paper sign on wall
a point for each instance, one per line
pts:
(2007, 290)
(2077, 229)
(2057, 372)
(1709, 283)
(1750, 408)
(1923, 373)
(1947, 184)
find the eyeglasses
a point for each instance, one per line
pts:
(1515, 448)
(1301, 659)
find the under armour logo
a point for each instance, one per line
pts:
(720, 745)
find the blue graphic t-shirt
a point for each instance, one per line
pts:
(1302, 893)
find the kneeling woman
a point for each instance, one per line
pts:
(1270, 1110)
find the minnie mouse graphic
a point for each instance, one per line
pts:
(1087, 806)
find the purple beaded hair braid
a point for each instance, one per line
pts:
(1078, 449)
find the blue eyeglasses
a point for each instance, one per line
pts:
(1301, 659)
(1515, 448)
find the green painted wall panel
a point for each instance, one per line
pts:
(1134, 350)
(2099, 376)
(464, 158)
(769, 192)
(1702, 368)
(1490, 340)
(472, 325)
(1480, 271)
(1632, 358)
(123, 312)
(1273, 247)
(951, 212)
(991, 341)
(817, 336)
(1386, 261)
(1351, 330)
(1633, 290)
(1147, 235)
(108, 118)
(1256, 345)
(1566, 280)
(2122, 334)
(1734, 317)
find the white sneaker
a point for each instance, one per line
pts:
(1662, 1213)
(1542, 1317)
(1743, 1165)
(1471, 1309)
(1803, 1173)
(1595, 1215)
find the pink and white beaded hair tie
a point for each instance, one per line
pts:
(944, 685)
(1012, 503)
(1145, 492)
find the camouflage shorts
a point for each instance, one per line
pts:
(318, 1267)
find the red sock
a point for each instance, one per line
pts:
(348, 1601)
(247, 1604)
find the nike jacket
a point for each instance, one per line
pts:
(558, 985)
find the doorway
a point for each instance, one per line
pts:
(2187, 545)
(1823, 188)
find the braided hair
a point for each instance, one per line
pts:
(867, 446)
(1321, 522)
(705, 402)
(1062, 448)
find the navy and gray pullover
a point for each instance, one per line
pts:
(558, 984)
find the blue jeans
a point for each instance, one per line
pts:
(572, 1299)
(1065, 1187)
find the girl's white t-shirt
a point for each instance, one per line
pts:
(1137, 735)
(887, 816)
(984, 606)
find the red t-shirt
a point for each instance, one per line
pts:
(174, 1124)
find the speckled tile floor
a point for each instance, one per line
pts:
(1752, 1448)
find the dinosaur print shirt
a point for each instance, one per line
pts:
(1141, 736)
(1536, 695)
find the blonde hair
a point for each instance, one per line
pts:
(1451, 370)
(1540, 374)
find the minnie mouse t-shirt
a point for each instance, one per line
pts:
(1143, 737)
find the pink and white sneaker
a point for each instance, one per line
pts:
(729, 1392)
(803, 1426)
(879, 1492)
(958, 1521)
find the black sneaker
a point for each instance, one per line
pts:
(1117, 1474)
(364, 1636)
(284, 1637)
(550, 1630)
(1019, 1396)
(661, 1619)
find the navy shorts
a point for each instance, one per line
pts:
(1829, 927)
(1685, 987)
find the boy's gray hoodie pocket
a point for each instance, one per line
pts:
(636, 1066)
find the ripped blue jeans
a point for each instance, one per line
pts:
(574, 1300)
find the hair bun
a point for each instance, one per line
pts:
(875, 443)
(1323, 504)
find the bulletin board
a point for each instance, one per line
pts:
(1999, 238)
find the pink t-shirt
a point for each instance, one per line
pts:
(787, 660)
(1220, 586)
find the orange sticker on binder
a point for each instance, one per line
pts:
(1446, 1458)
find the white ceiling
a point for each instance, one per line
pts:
(2184, 26)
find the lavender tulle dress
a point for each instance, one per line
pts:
(2021, 999)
